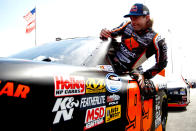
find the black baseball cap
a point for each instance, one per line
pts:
(138, 10)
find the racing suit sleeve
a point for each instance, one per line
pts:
(161, 57)
(118, 31)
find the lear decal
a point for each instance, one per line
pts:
(64, 108)
(113, 83)
(67, 86)
(92, 101)
(94, 85)
(11, 89)
(94, 117)
(105, 68)
(113, 113)
(113, 99)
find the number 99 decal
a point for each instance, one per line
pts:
(133, 112)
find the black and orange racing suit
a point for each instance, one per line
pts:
(135, 48)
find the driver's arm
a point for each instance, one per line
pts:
(161, 58)
(105, 33)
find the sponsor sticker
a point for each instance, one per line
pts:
(94, 117)
(64, 108)
(95, 85)
(113, 99)
(69, 85)
(113, 83)
(113, 113)
(105, 68)
(92, 101)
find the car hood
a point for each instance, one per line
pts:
(27, 69)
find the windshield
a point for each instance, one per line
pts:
(70, 51)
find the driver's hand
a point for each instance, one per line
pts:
(105, 34)
(140, 79)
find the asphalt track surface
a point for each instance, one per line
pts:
(183, 119)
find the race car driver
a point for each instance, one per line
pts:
(138, 43)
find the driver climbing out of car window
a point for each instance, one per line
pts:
(138, 43)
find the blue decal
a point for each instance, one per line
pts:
(113, 83)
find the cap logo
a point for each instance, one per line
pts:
(145, 12)
(133, 9)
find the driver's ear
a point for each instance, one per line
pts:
(148, 17)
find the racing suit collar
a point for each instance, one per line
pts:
(144, 31)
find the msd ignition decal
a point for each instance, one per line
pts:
(113, 99)
(113, 83)
(64, 108)
(92, 101)
(95, 85)
(67, 86)
(14, 90)
(113, 113)
(94, 117)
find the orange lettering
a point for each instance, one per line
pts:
(22, 90)
(8, 89)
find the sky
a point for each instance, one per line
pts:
(173, 19)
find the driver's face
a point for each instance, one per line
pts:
(139, 22)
